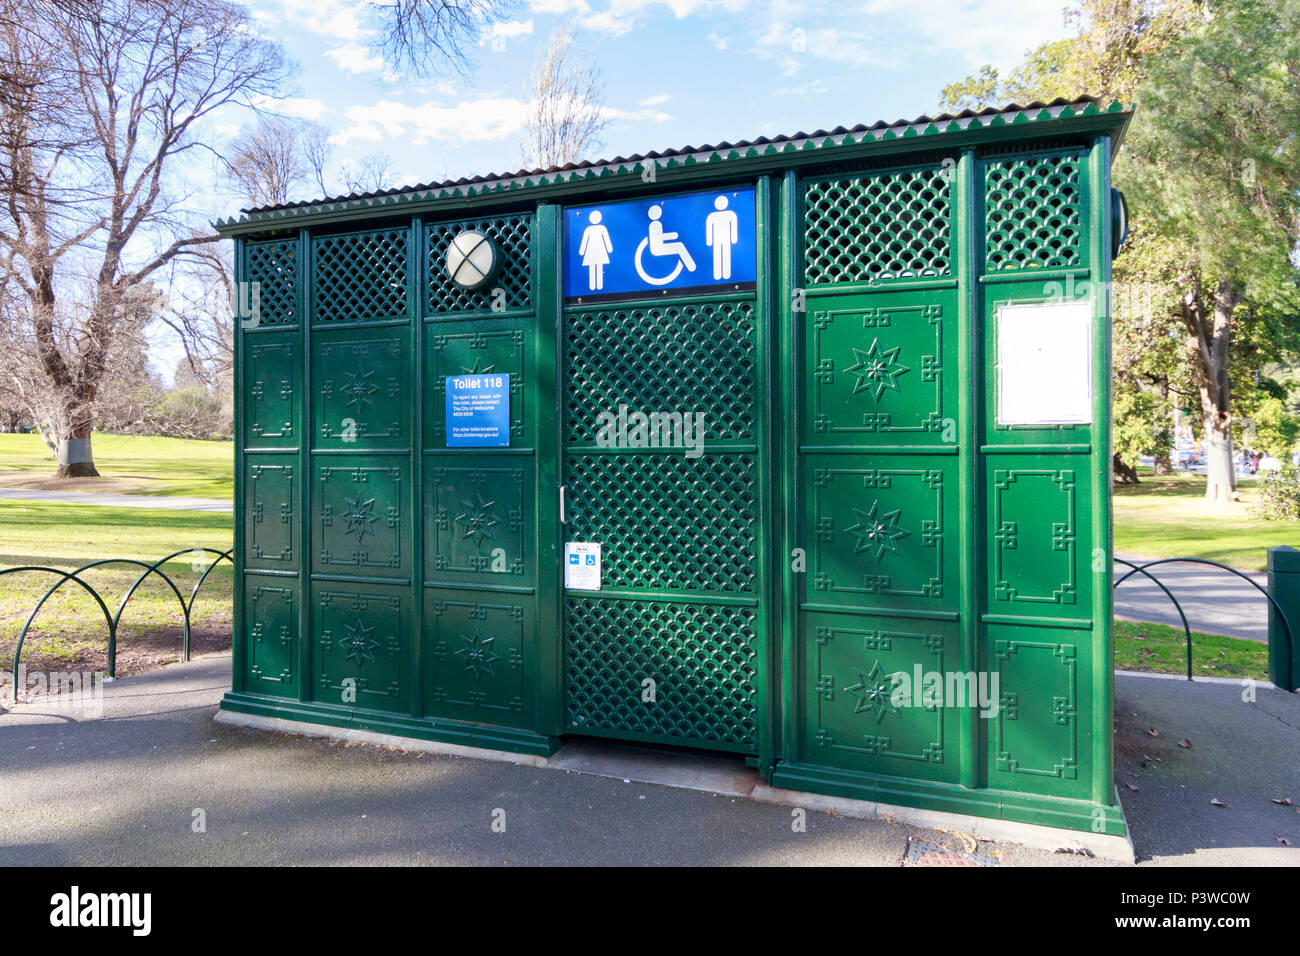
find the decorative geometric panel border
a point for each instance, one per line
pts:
(685, 357)
(854, 663)
(474, 658)
(273, 266)
(1034, 536)
(360, 516)
(271, 411)
(270, 518)
(271, 624)
(701, 658)
(880, 531)
(1038, 692)
(476, 518)
(667, 522)
(878, 227)
(360, 395)
(879, 371)
(477, 352)
(512, 236)
(1033, 212)
(359, 277)
(360, 651)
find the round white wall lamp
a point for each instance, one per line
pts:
(472, 259)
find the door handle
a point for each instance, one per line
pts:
(564, 519)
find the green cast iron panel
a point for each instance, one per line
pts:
(882, 531)
(1039, 740)
(678, 357)
(273, 267)
(512, 236)
(359, 524)
(474, 657)
(272, 386)
(1034, 212)
(361, 646)
(1037, 557)
(360, 388)
(484, 345)
(855, 722)
(271, 514)
(479, 519)
(878, 226)
(881, 369)
(271, 624)
(666, 522)
(701, 658)
(359, 276)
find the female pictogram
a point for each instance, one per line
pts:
(595, 250)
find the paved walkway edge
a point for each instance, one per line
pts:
(1034, 836)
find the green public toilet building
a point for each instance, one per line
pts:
(796, 449)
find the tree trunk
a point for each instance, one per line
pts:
(1125, 474)
(1211, 336)
(1163, 464)
(75, 457)
(1220, 475)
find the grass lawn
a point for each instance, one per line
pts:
(1168, 517)
(70, 632)
(128, 464)
(1163, 650)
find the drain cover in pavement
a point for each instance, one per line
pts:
(924, 853)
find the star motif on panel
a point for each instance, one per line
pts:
(479, 371)
(877, 531)
(478, 654)
(360, 388)
(479, 519)
(873, 691)
(361, 516)
(877, 369)
(359, 644)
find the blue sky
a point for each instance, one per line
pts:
(677, 72)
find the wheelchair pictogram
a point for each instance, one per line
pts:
(662, 244)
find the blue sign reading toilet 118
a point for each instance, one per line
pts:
(669, 245)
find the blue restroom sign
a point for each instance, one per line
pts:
(669, 245)
(478, 411)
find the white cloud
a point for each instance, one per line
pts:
(656, 99)
(506, 30)
(555, 7)
(489, 118)
(342, 19)
(624, 16)
(355, 58)
(299, 106)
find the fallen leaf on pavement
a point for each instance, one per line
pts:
(1153, 732)
(1185, 744)
(1132, 786)
(1216, 802)
(1283, 840)
(1283, 801)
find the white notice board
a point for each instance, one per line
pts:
(1044, 368)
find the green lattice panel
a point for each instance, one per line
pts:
(686, 358)
(701, 659)
(513, 240)
(665, 521)
(359, 276)
(1033, 212)
(477, 519)
(864, 716)
(878, 227)
(360, 396)
(273, 266)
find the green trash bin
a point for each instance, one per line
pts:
(1284, 586)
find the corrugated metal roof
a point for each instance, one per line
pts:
(689, 155)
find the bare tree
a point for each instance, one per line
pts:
(566, 118)
(369, 174)
(316, 150)
(99, 101)
(422, 36)
(268, 161)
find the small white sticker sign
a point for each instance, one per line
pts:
(1045, 364)
(582, 565)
